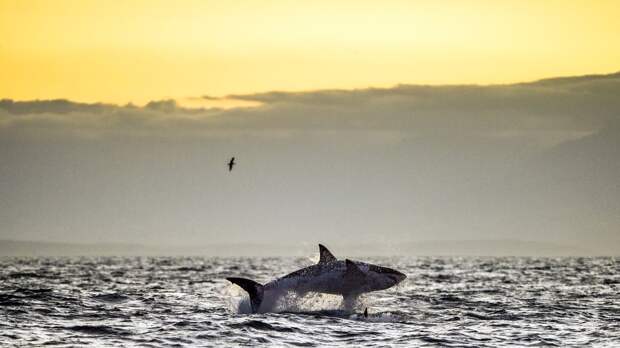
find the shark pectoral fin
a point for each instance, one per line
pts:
(353, 271)
(326, 255)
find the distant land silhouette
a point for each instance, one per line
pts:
(425, 248)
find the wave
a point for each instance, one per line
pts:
(98, 330)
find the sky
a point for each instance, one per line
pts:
(138, 51)
(352, 123)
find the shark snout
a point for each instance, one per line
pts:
(397, 276)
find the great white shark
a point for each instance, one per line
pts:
(329, 276)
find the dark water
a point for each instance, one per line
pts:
(154, 302)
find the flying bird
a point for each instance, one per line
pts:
(231, 164)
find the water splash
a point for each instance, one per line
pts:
(291, 302)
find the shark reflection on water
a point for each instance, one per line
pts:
(329, 276)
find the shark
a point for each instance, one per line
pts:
(347, 278)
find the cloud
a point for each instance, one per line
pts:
(22, 118)
(583, 103)
(579, 104)
(55, 106)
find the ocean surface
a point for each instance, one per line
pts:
(459, 302)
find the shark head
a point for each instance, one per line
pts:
(380, 278)
(363, 276)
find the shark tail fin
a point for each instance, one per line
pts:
(254, 289)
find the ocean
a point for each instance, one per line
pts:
(186, 302)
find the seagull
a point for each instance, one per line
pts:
(231, 164)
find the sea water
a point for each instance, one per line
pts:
(460, 302)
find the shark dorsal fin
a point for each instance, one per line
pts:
(326, 256)
(353, 271)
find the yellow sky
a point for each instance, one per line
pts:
(122, 51)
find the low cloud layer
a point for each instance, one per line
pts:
(571, 104)
(532, 161)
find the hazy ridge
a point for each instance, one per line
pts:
(13, 248)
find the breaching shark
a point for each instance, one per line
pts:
(329, 276)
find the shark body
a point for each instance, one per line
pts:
(330, 276)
